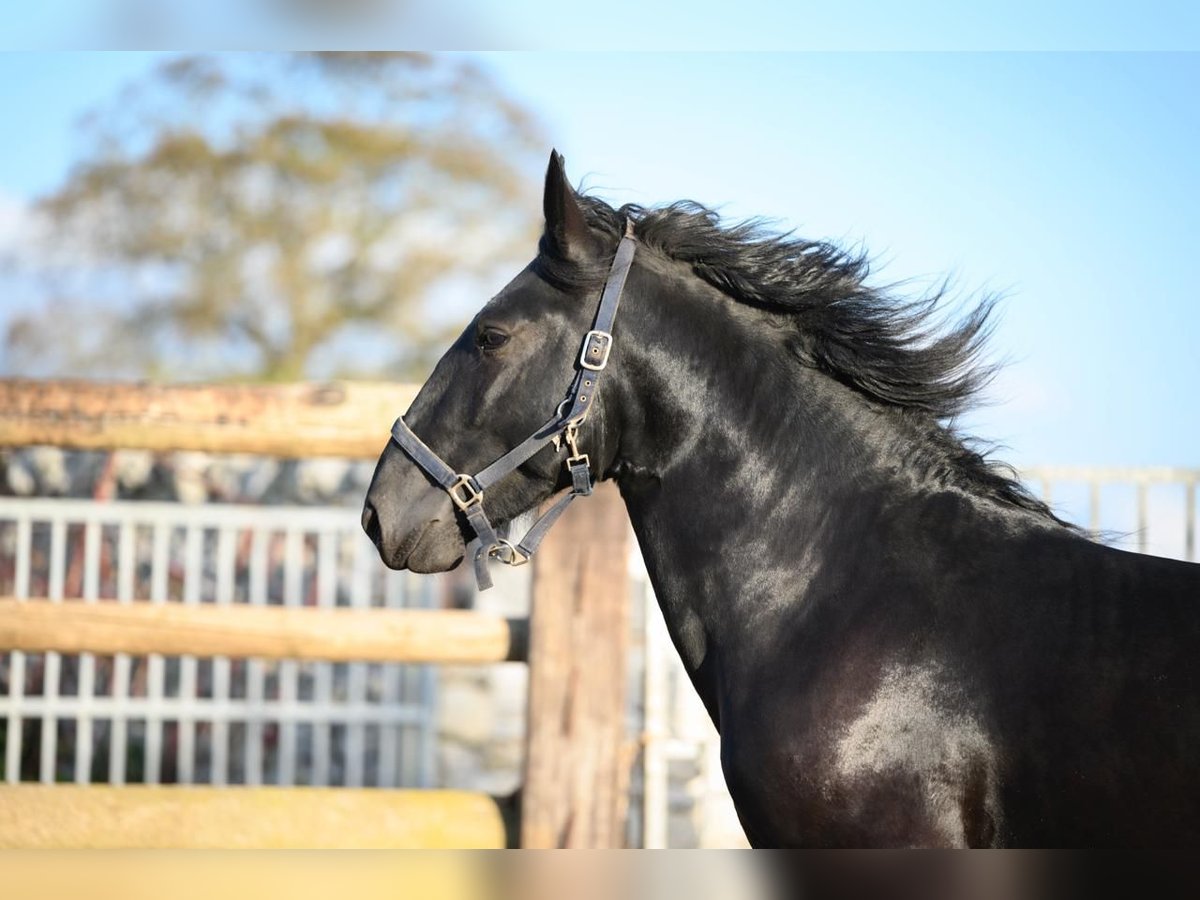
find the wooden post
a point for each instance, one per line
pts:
(576, 772)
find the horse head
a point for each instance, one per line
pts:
(491, 391)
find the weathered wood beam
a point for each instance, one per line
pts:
(38, 817)
(578, 759)
(341, 419)
(265, 632)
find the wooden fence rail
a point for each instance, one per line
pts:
(347, 419)
(36, 817)
(266, 632)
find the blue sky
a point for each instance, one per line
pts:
(1067, 181)
(617, 24)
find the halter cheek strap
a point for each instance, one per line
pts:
(467, 491)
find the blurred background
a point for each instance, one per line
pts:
(216, 216)
(619, 25)
(280, 217)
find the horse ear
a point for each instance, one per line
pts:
(567, 235)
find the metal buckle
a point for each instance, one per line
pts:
(576, 460)
(473, 494)
(594, 356)
(508, 554)
(580, 468)
(570, 437)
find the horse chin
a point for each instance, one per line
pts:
(439, 549)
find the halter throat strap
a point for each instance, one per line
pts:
(467, 491)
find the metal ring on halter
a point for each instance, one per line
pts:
(507, 553)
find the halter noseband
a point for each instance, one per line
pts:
(466, 491)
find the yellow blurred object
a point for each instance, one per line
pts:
(34, 816)
(230, 876)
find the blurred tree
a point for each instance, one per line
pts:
(281, 216)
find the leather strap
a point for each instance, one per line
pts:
(519, 454)
(597, 344)
(467, 490)
(422, 455)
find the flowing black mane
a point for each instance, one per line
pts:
(898, 352)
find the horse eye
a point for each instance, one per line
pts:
(491, 339)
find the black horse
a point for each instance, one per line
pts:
(897, 642)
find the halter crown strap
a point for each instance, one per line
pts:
(466, 491)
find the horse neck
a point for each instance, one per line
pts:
(744, 472)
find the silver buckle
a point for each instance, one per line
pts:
(594, 357)
(471, 494)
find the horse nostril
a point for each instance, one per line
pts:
(370, 523)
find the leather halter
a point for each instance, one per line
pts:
(466, 491)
